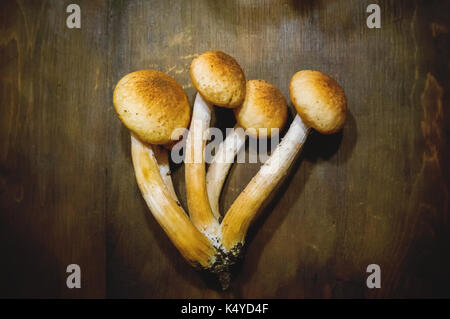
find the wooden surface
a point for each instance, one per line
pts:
(376, 193)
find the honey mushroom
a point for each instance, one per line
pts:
(152, 105)
(264, 109)
(321, 104)
(220, 81)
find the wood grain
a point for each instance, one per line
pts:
(378, 192)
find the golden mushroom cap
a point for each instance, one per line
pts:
(319, 99)
(152, 105)
(218, 78)
(264, 107)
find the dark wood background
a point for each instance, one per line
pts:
(376, 193)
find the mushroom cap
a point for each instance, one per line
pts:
(218, 78)
(320, 101)
(152, 105)
(264, 109)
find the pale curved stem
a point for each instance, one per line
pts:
(221, 164)
(192, 244)
(197, 197)
(162, 157)
(244, 209)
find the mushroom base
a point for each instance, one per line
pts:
(224, 260)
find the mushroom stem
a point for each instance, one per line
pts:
(197, 197)
(162, 157)
(244, 209)
(192, 244)
(219, 167)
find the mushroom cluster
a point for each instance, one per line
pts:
(153, 106)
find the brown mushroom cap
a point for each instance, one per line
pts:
(319, 100)
(218, 78)
(152, 105)
(264, 107)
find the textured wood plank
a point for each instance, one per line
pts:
(53, 145)
(376, 193)
(353, 198)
